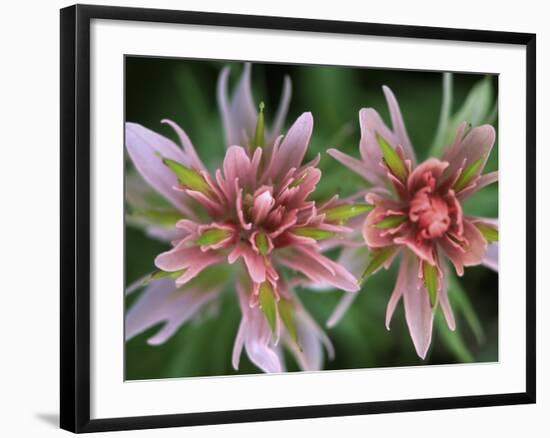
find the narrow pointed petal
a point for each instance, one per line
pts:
(239, 344)
(340, 310)
(443, 298)
(161, 301)
(223, 104)
(397, 291)
(376, 237)
(258, 350)
(477, 144)
(353, 164)
(320, 269)
(398, 124)
(311, 338)
(256, 336)
(418, 311)
(190, 259)
(282, 111)
(236, 164)
(143, 145)
(238, 113)
(482, 181)
(262, 204)
(296, 197)
(242, 106)
(353, 259)
(292, 149)
(186, 144)
(371, 126)
(255, 263)
(432, 166)
(472, 254)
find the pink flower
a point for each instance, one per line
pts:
(418, 214)
(239, 115)
(255, 208)
(258, 211)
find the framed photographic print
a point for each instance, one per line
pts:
(272, 218)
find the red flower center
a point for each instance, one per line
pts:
(429, 210)
(431, 213)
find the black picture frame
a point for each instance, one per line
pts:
(75, 217)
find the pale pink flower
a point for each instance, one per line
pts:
(255, 208)
(417, 214)
(258, 210)
(239, 115)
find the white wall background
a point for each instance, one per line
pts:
(29, 217)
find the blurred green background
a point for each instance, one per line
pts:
(185, 91)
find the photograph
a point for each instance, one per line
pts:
(288, 217)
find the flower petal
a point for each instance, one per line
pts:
(471, 254)
(290, 153)
(377, 237)
(239, 344)
(431, 166)
(397, 291)
(443, 299)
(238, 114)
(280, 116)
(256, 336)
(295, 197)
(353, 164)
(319, 268)
(418, 311)
(311, 338)
(477, 144)
(340, 310)
(191, 259)
(482, 181)
(186, 144)
(238, 166)
(398, 125)
(143, 145)
(262, 204)
(354, 259)
(371, 125)
(255, 263)
(162, 301)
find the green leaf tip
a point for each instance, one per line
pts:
(259, 135)
(377, 259)
(262, 243)
(298, 181)
(342, 213)
(390, 221)
(392, 159)
(313, 233)
(212, 236)
(489, 232)
(430, 281)
(268, 304)
(187, 176)
(286, 311)
(467, 175)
